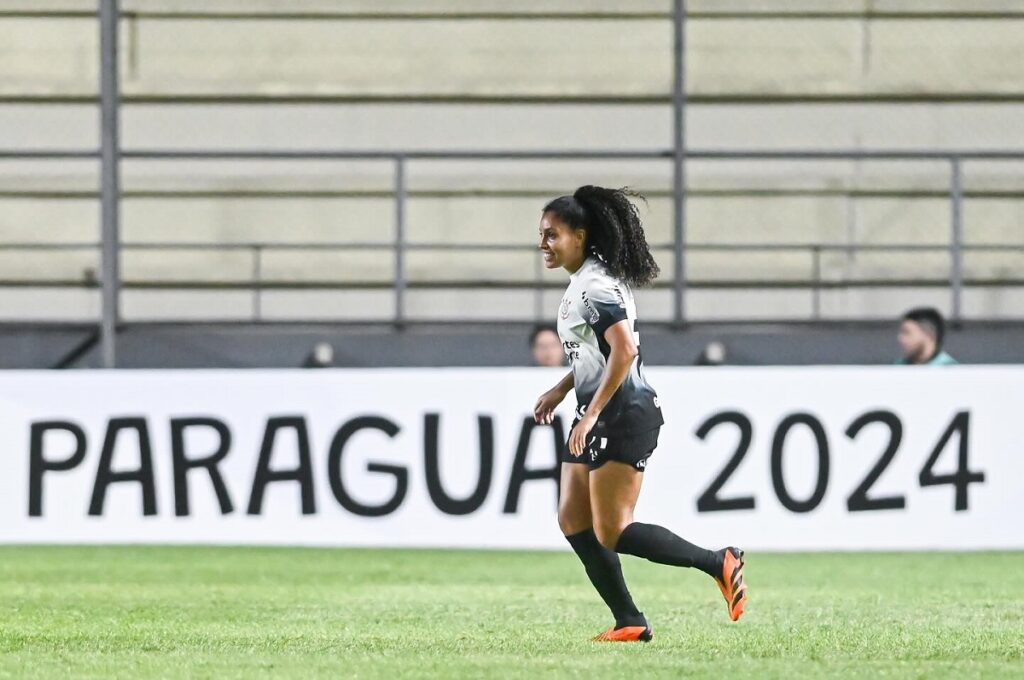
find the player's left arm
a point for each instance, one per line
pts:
(620, 339)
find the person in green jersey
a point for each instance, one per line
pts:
(920, 336)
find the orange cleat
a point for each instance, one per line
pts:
(732, 584)
(626, 634)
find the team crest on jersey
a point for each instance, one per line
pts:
(564, 310)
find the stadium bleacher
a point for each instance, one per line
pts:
(231, 75)
(276, 409)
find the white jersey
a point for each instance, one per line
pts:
(592, 303)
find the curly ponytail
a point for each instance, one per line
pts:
(614, 230)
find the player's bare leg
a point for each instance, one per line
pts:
(574, 499)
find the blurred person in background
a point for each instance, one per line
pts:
(546, 347)
(713, 354)
(921, 333)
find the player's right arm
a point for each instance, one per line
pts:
(544, 410)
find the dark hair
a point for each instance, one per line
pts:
(614, 230)
(537, 330)
(930, 319)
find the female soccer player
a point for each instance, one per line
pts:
(597, 236)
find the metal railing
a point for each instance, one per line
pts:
(258, 282)
(401, 246)
(110, 154)
(679, 245)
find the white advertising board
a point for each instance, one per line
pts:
(837, 458)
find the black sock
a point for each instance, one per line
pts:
(660, 545)
(605, 572)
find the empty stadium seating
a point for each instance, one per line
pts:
(510, 75)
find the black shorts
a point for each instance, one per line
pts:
(631, 449)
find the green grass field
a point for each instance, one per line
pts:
(138, 612)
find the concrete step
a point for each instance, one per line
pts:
(522, 126)
(705, 304)
(411, 58)
(461, 220)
